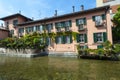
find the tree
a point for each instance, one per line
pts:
(116, 29)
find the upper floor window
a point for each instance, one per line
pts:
(21, 30)
(49, 27)
(29, 29)
(99, 19)
(15, 22)
(68, 23)
(7, 24)
(81, 21)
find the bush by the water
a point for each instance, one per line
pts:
(29, 41)
(108, 50)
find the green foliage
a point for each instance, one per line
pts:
(116, 29)
(116, 49)
(107, 50)
(31, 41)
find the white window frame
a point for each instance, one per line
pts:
(59, 40)
(99, 35)
(98, 20)
(80, 21)
(68, 39)
(67, 23)
(81, 38)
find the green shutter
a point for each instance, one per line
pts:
(99, 46)
(56, 25)
(103, 16)
(51, 26)
(77, 22)
(95, 37)
(104, 36)
(62, 24)
(85, 36)
(70, 22)
(63, 39)
(77, 36)
(85, 22)
(56, 40)
(93, 18)
(71, 39)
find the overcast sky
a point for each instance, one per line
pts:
(42, 8)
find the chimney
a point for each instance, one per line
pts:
(1, 24)
(73, 8)
(55, 12)
(32, 18)
(82, 7)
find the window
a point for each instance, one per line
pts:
(59, 40)
(68, 39)
(49, 28)
(68, 23)
(81, 27)
(67, 28)
(82, 38)
(15, 22)
(81, 21)
(29, 29)
(82, 47)
(58, 29)
(98, 20)
(48, 41)
(12, 32)
(7, 24)
(38, 28)
(21, 30)
(41, 28)
(100, 37)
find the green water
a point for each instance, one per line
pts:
(57, 68)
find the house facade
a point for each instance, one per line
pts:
(4, 33)
(114, 4)
(92, 26)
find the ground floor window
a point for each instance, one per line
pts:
(100, 37)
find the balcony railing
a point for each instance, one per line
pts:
(81, 27)
(99, 23)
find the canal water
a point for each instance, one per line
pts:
(57, 68)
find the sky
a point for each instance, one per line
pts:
(39, 9)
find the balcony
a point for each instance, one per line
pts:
(99, 23)
(68, 29)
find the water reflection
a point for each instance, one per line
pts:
(57, 68)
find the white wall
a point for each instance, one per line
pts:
(100, 3)
(116, 2)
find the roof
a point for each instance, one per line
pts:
(66, 15)
(15, 15)
(3, 29)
